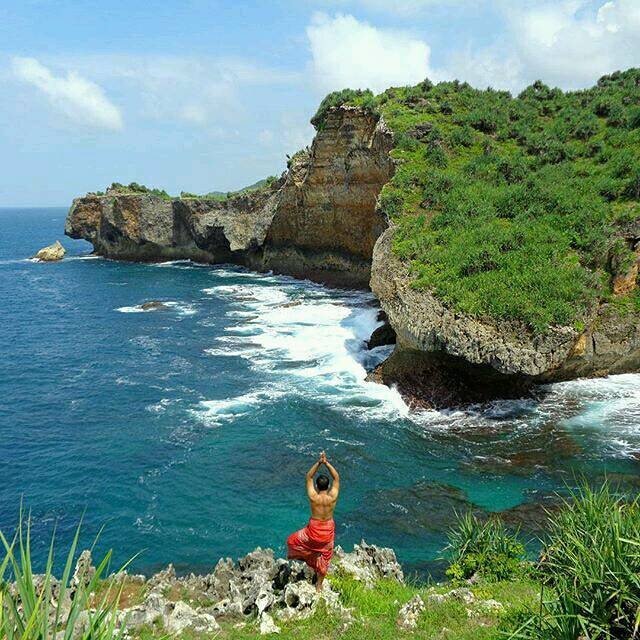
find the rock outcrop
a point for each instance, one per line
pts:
(443, 357)
(52, 253)
(319, 221)
(258, 589)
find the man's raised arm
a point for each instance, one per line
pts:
(335, 487)
(311, 490)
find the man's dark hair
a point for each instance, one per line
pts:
(322, 482)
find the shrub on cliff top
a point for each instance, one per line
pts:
(512, 213)
(134, 187)
(337, 99)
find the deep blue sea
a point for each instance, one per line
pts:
(186, 432)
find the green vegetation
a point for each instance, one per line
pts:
(135, 188)
(225, 195)
(591, 564)
(511, 207)
(41, 608)
(484, 550)
(337, 99)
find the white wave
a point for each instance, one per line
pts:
(184, 309)
(90, 256)
(136, 309)
(311, 339)
(161, 406)
(213, 413)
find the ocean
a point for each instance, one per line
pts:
(185, 433)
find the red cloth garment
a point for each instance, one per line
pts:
(313, 544)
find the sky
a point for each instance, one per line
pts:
(204, 95)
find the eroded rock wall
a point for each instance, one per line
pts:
(319, 221)
(326, 221)
(443, 357)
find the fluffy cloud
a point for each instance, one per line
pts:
(568, 42)
(349, 53)
(199, 91)
(78, 98)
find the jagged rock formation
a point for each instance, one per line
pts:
(443, 357)
(318, 221)
(258, 589)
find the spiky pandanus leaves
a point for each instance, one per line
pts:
(591, 564)
(38, 607)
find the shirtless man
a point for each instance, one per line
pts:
(314, 543)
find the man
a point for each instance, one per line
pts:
(314, 543)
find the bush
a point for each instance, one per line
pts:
(510, 210)
(337, 99)
(485, 550)
(591, 562)
(41, 608)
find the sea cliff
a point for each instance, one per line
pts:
(501, 235)
(318, 221)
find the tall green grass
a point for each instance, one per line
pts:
(591, 568)
(485, 549)
(39, 607)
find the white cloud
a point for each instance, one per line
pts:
(78, 98)
(200, 91)
(566, 43)
(349, 53)
(266, 136)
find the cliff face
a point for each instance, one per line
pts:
(443, 357)
(319, 221)
(326, 223)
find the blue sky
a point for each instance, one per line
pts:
(200, 95)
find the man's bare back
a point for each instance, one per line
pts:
(323, 502)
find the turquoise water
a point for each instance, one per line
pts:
(187, 432)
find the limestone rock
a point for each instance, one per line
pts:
(462, 594)
(185, 617)
(84, 571)
(267, 625)
(368, 563)
(443, 357)
(318, 221)
(52, 253)
(409, 613)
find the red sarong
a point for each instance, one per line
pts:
(313, 544)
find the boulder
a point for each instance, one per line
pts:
(184, 617)
(369, 563)
(153, 305)
(83, 572)
(267, 625)
(52, 253)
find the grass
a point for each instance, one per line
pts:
(486, 550)
(376, 611)
(513, 207)
(591, 562)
